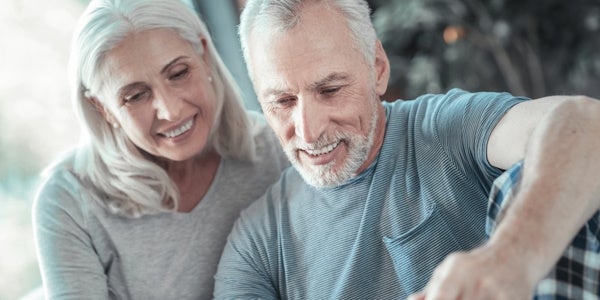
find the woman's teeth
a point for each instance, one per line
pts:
(324, 150)
(177, 132)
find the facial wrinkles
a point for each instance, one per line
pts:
(112, 85)
(131, 63)
(288, 70)
(326, 175)
(124, 66)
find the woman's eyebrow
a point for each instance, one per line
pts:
(174, 61)
(125, 89)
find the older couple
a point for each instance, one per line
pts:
(385, 199)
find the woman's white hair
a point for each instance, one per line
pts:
(280, 15)
(126, 177)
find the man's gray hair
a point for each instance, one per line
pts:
(280, 15)
(130, 182)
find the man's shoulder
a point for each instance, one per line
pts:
(421, 104)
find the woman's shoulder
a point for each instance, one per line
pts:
(60, 186)
(56, 196)
(257, 121)
(266, 142)
(263, 135)
(60, 172)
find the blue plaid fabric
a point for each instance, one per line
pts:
(577, 273)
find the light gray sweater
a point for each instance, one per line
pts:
(85, 252)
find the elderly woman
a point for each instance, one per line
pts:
(142, 208)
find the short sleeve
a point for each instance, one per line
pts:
(463, 123)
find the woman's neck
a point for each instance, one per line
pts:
(193, 177)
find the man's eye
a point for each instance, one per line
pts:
(284, 101)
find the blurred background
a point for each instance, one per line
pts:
(36, 123)
(527, 47)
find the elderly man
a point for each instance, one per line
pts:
(382, 193)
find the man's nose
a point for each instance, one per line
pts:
(310, 120)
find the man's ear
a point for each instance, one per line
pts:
(382, 69)
(101, 109)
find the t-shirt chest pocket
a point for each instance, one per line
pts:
(416, 253)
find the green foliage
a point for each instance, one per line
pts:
(526, 47)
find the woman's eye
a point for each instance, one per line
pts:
(180, 74)
(332, 90)
(136, 97)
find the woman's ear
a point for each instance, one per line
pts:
(382, 69)
(205, 55)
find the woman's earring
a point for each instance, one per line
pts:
(115, 125)
(210, 79)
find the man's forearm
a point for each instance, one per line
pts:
(560, 186)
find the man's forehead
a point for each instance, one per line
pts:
(277, 86)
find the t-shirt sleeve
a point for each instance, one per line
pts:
(69, 266)
(245, 269)
(463, 122)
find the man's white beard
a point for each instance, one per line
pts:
(326, 175)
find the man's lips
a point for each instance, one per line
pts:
(320, 156)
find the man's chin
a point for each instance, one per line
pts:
(322, 178)
(331, 174)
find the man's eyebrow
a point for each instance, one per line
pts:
(336, 76)
(329, 79)
(174, 61)
(273, 91)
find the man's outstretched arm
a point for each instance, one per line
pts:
(559, 139)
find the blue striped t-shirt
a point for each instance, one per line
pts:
(380, 235)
